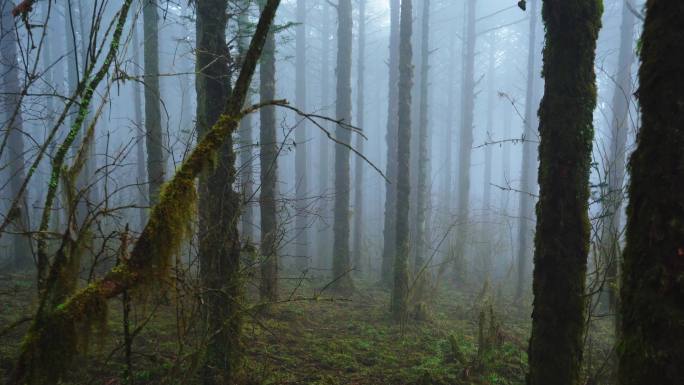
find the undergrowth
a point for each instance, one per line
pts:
(309, 340)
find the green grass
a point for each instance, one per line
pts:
(355, 342)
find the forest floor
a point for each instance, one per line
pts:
(305, 340)
(356, 342)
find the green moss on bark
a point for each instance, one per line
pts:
(219, 205)
(52, 341)
(651, 349)
(562, 233)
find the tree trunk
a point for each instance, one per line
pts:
(615, 170)
(360, 141)
(151, 256)
(465, 144)
(11, 92)
(219, 204)
(526, 212)
(447, 183)
(54, 75)
(389, 237)
(75, 59)
(269, 175)
(153, 130)
(324, 176)
(72, 59)
(341, 260)
(486, 233)
(53, 43)
(246, 140)
(652, 293)
(301, 154)
(400, 289)
(139, 143)
(562, 235)
(85, 181)
(423, 138)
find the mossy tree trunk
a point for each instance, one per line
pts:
(343, 112)
(269, 175)
(71, 19)
(153, 129)
(52, 342)
(562, 234)
(400, 289)
(53, 69)
(72, 74)
(85, 181)
(219, 204)
(93, 74)
(652, 294)
(389, 237)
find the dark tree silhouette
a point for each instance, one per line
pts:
(562, 236)
(219, 204)
(652, 295)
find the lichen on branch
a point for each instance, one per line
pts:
(56, 333)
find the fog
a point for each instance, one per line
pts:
(484, 77)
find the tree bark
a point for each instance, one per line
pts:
(360, 141)
(400, 289)
(246, 140)
(447, 182)
(150, 258)
(343, 112)
(389, 237)
(269, 175)
(324, 177)
(54, 69)
(465, 144)
(85, 181)
(652, 293)
(562, 234)
(153, 130)
(423, 138)
(139, 144)
(219, 204)
(301, 133)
